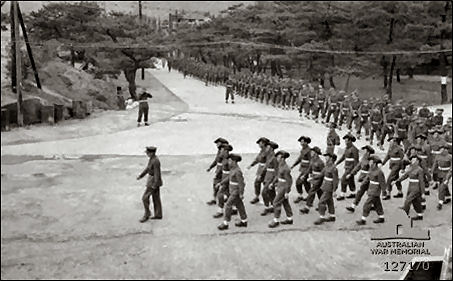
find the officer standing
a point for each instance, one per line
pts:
(153, 184)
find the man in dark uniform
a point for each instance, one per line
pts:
(442, 171)
(316, 178)
(153, 184)
(218, 164)
(395, 154)
(229, 91)
(376, 180)
(282, 185)
(222, 186)
(304, 160)
(328, 187)
(236, 186)
(333, 139)
(271, 167)
(363, 119)
(438, 119)
(376, 124)
(351, 158)
(143, 108)
(260, 172)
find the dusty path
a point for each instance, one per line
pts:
(76, 215)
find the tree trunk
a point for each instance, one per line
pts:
(384, 64)
(389, 86)
(410, 72)
(72, 58)
(13, 50)
(130, 77)
(398, 78)
(346, 86)
(332, 84)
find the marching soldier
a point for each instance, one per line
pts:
(316, 178)
(363, 167)
(334, 106)
(345, 112)
(376, 180)
(271, 167)
(260, 172)
(153, 184)
(332, 139)
(376, 124)
(328, 187)
(388, 128)
(304, 160)
(236, 187)
(402, 129)
(442, 171)
(283, 183)
(416, 187)
(363, 119)
(351, 158)
(218, 172)
(222, 186)
(395, 155)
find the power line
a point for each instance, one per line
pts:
(238, 43)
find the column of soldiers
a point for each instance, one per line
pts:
(426, 163)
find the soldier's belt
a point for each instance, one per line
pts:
(262, 164)
(374, 122)
(270, 170)
(328, 179)
(402, 130)
(374, 182)
(435, 152)
(365, 115)
(444, 168)
(234, 183)
(423, 157)
(219, 164)
(226, 172)
(413, 180)
(364, 172)
(316, 173)
(395, 159)
(349, 159)
(281, 180)
(305, 161)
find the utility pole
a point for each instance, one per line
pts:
(141, 23)
(30, 54)
(20, 117)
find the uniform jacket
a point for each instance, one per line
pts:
(303, 159)
(416, 180)
(377, 182)
(395, 155)
(236, 182)
(261, 161)
(351, 158)
(154, 173)
(330, 178)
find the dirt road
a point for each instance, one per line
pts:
(70, 208)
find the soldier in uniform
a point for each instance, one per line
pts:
(328, 187)
(395, 154)
(314, 170)
(260, 172)
(424, 112)
(229, 91)
(351, 158)
(363, 119)
(416, 188)
(333, 139)
(345, 112)
(442, 171)
(282, 184)
(271, 167)
(363, 167)
(143, 108)
(304, 160)
(222, 186)
(376, 124)
(376, 180)
(447, 135)
(424, 153)
(438, 119)
(333, 106)
(236, 186)
(153, 184)
(388, 128)
(402, 130)
(218, 164)
(354, 106)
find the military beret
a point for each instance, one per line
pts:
(317, 150)
(151, 149)
(349, 136)
(273, 145)
(263, 139)
(283, 153)
(305, 139)
(235, 157)
(226, 147)
(421, 136)
(221, 140)
(369, 148)
(375, 158)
